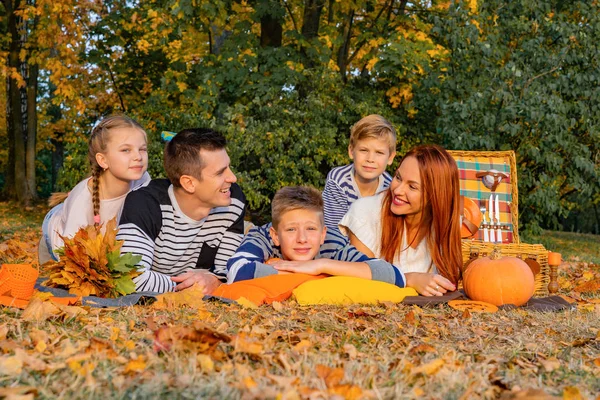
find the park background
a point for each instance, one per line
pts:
(285, 80)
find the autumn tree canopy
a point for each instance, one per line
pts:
(285, 80)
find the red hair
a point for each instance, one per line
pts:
(440, 221)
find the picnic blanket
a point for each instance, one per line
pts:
(123, 301)
(550, 303)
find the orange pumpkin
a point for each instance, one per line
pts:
(499, 280)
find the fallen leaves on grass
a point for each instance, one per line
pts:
(199, 337)
(190, 297)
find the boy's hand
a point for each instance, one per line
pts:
(429, 284)
(312, 267)
(204, 278)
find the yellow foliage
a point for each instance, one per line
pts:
(371, 63)
(182, 86)
(143, 45)
(472, 4)
(399, 95)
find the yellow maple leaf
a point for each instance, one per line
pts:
(190, 297)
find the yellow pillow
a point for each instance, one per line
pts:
(343, 290)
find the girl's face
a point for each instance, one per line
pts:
(407, 190)
(126, 155)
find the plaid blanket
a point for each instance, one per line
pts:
(472, 187)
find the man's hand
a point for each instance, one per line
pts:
(208, 281)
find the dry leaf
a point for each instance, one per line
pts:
(191, 297)
(3, 332)
(350, 349)
(206, 363)
(244, 302)
(550, 364)
(10, 365)
(138, 365)
(243, 345)
(39, 310)
(301, 346)
(529, 394)
(277, 306)
(331, 376)
(38, 335)
(11, 392)
(430, 368)
(572, 393)
(199, 337)
(348, 392)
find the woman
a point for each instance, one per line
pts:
(416, 223)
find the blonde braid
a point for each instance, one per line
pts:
(97, 171)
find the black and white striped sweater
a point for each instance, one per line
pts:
(170, 243)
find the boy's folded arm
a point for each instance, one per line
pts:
(383, 271)
(380, 270)
(248, 262)
(242, 269)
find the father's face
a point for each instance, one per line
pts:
(217, 177)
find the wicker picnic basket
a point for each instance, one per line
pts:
(475, 248)
(471, 162)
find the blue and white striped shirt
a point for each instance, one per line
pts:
(341, 191)
(248, 262)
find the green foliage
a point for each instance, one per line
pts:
(523, 75)
(75, 167)
(121, 267)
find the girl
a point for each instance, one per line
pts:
(117, 151)
(416, 223)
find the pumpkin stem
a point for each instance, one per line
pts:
(496, 254)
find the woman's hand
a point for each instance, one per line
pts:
(312, 267)
(429, 284)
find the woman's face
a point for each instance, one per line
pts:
(407, 189)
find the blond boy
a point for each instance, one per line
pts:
(372, 148)
(302, 243)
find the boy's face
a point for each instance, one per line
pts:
(370, 156)
(299, 235)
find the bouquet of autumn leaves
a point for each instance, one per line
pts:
(91, 263)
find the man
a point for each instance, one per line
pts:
(187, 227)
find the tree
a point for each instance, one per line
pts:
(523, 75)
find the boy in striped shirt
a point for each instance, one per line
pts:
(372, 148)
(298, 241)
(187, 227)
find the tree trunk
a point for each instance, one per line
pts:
(312, 18)
(32, 88)
(271, 31)
(342, 59)
(14, 121)
(310, 30)
(20, 184)
(271, 23)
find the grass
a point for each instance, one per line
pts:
(574, 246)
(17, 221)
(288, 351)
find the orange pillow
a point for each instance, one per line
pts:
(266, 289)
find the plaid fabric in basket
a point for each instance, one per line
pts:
(472, 187)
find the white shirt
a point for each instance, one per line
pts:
(364, 221)
(78, 211)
